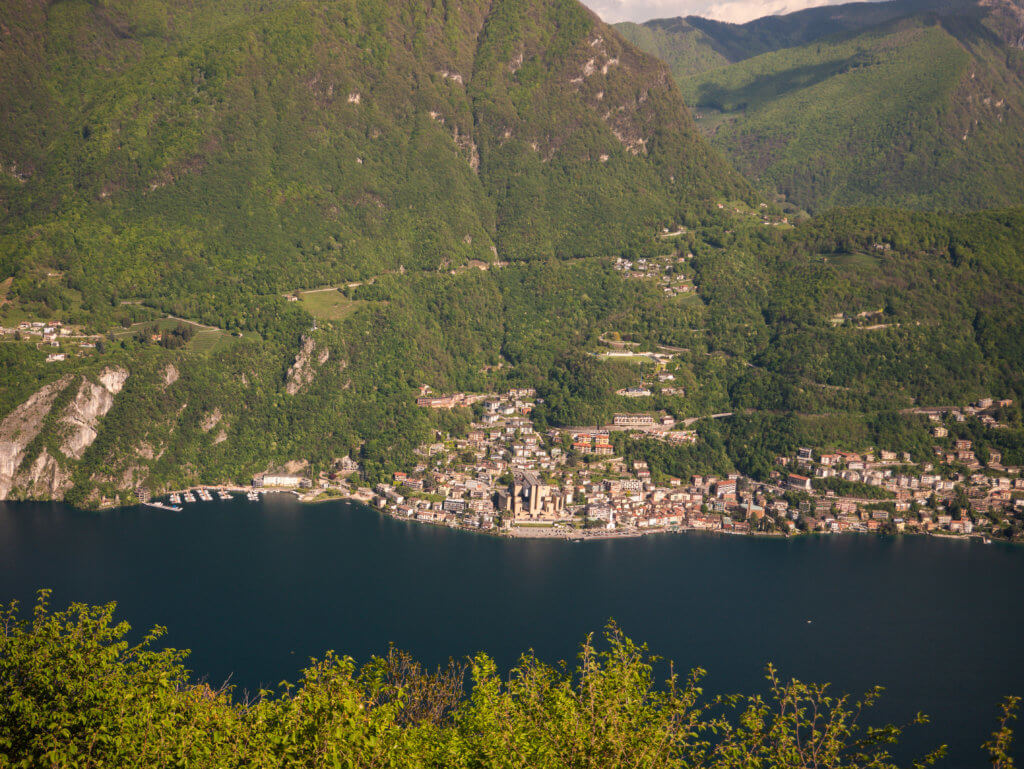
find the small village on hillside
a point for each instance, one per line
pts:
(507, 478)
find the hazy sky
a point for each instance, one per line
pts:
(724, 10)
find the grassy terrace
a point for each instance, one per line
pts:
(328, 304)
(207, 340)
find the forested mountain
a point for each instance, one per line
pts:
(201, 159)
(694, 44)
(457, 180)
(296, 142)
(904, 103)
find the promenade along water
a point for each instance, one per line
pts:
(255, 589)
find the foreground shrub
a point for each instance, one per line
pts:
(75, 693)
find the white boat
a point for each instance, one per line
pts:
(188, 497)
(204, 495)
(225, 496)
(175, 499)
(252, 496)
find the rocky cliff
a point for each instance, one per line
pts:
(30, 465)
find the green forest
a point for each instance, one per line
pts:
(457, 184)
(763, 340)
(908, 104)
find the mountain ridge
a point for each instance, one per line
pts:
(332, 108)
(481, 194)
(172, 166)
(861, 104)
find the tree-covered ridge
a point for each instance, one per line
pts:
(693, 44)
(75, 692)
(910, 104)
(686, 49)
(203, 164)
(818, 334)
(158, 149)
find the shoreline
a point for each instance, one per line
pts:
(535, 532)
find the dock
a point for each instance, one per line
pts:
(164, 506)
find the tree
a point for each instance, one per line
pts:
(74, 692)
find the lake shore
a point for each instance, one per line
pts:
(556, 530)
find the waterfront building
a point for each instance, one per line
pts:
(530, 497)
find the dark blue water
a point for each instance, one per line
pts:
(254, 590)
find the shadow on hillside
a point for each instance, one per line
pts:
(768, 87)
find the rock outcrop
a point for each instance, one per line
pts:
(91, 403)
(20, 428)
(48, 475)
(44, 478)
(210, 420)
(302, 371)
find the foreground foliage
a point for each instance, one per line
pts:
(75, 693)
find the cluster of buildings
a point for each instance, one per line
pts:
(47, 331)
(49, 334)
(984, 410)
(505, 476)
(865, 317)
(46, 334)
(661, 269)
(767, 219)
(659, 381)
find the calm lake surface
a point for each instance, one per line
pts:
(255, 589)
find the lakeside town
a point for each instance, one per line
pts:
(506, 478)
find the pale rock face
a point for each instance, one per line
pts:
(45, 477)
(170, 375)
(296, 465)
(113, 379)
(211, 420)
(91, 403)
(19, 428)
(145, 451)
(302, 370)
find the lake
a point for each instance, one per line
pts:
(255, 589)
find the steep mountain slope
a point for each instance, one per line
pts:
(925, 110)
(684, 47)
(694, 44)
(201, 159)
(153, 146)
(174, 173)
